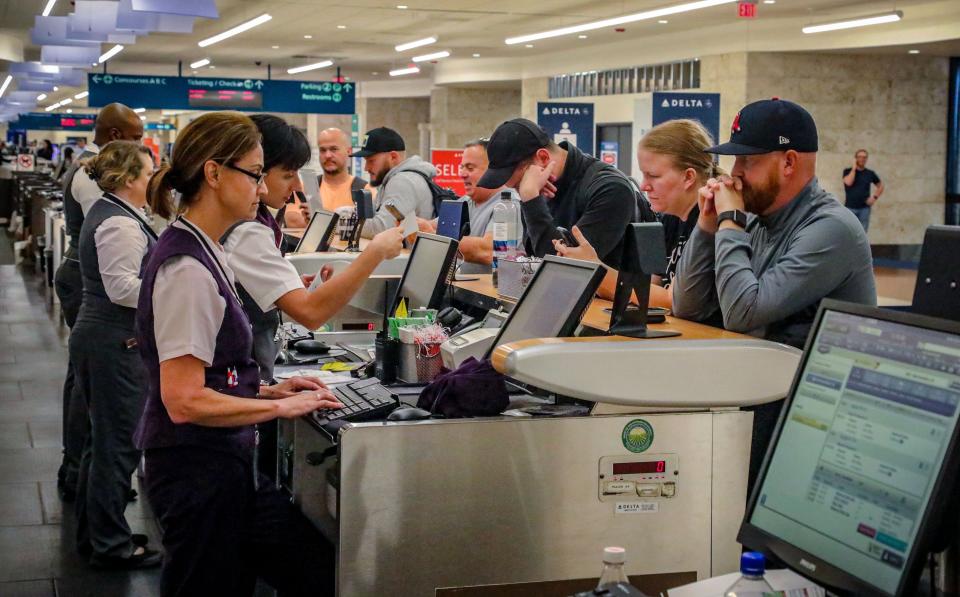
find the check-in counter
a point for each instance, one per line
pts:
(659, 466)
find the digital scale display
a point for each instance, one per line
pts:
(225, 98)
(640, 468)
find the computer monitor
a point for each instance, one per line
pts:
(553, 303)
(862, 465)
(937, 292)
(429, 269)
(318, 233)
(644, 254)
(454, 219)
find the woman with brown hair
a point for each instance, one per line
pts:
(674, 166)
(221, 529)
(114, 241)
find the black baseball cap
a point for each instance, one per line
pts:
(379, 140)
(767, 126)
(513, 141)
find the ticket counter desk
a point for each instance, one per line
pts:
(659, 466)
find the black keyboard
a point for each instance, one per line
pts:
(362, 400)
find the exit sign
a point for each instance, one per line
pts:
(747, 10)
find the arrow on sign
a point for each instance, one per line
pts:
(96, 78)
(259, 84)
(347, 87)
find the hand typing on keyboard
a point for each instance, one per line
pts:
(360, 400)
(303, 403)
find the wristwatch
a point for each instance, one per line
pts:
(734, 215)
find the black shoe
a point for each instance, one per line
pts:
(147, 558)
(138, 540)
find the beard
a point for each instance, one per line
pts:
(758, 198)
(376, 178)
(332, 168)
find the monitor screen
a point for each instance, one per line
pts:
(425, 270)
(314, 233)
(861, 446)
(546, 307)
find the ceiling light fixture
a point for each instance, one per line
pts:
(663, 21)
(306, 67)
(405, 71)
(67, 101)
(529, 45)
(81, 95)
(476, 55)
(55, 88)
(49, 8)
(6, 83)
(69, 110)
(110, 53)
(616, 21)
(434, 56)
(913, 52)
(307, 37)
(51, 107)
(275, 47)
(341, 26)
(235, 31)
(416, 44)
(402, 6)
(41, 97)
(139, 110)
(199, 63)
(769, 1)
(143, 118)
(582, 36)
(879, 19)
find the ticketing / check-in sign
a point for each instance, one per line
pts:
(447, 163)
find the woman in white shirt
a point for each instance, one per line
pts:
(222, 527)
(114, 242)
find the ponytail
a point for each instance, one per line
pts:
(159, 195)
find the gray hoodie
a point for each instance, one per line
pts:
(404, 189)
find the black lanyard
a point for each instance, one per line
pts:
(211, 254)
(120, 203)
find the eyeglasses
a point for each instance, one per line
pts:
(259, 178)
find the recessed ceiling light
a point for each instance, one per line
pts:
(769, 1)
(110, 53)
(139, 110)
(404, 71)
(434, 56)
(341, 26)
(402, 6)
(194, 72)
(55, 88)
(81, 95)
(41, 97)
(64, 102)
(211, 66)
(663, 21)
(236, 30)
(199, 63)
(529, 45)
(69, 110)
(306, 67)
(6, 83)
(143, 118)
(913, 52)
(307, 37)
(48, 8)
(476, 55)
(375, 73)
(415, 44)
(880, 19)
(582, 36)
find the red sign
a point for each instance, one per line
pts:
(25, 162)
(447, 163)
(747, 10)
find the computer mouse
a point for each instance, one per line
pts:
(311, 347)
(408, 413)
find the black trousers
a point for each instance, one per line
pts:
(220, 533)
(112, 379)
(76, 425)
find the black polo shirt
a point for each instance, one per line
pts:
(859, 191)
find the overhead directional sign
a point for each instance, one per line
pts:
(43, 121)
(204, 93)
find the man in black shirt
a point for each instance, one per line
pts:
(559, 185)
(856, 183)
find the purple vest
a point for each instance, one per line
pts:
(264, 217)
(233, 372)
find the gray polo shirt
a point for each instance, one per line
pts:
(481, 224)
(768, 280)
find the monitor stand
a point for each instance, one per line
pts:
(633, 322)
(354, 244)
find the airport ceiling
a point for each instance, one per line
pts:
(360, 35)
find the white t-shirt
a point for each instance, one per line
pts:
(187, 306)
(259, 266)
(84, 189)
(121, 245)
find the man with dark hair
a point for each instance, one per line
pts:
(560, 186)
(401, 181)
(80, 192)
(856, 186)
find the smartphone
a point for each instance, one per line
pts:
(394, 211)
(567, 237)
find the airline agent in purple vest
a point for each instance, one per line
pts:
(221, 527)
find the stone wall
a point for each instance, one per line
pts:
(894, 106)
(403, 115)
(459, 115)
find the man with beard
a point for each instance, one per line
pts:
(768, 271)
(401, 182)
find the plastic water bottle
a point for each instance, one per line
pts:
(613, 573)
(751, 581)
(506, 230)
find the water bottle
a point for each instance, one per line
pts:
(506, 231)
(751, 581)
(613, 573)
